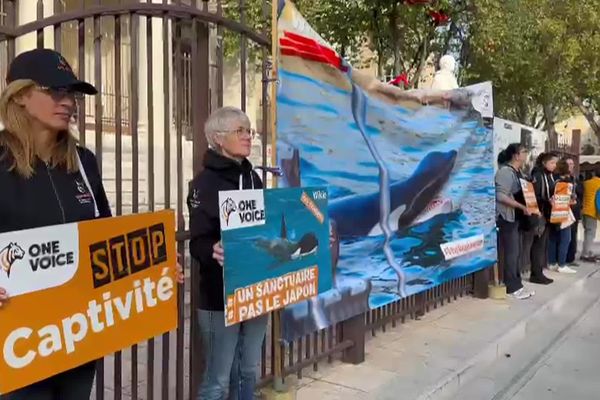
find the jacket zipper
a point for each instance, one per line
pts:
(62, 210)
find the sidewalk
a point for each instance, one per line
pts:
(455, 347)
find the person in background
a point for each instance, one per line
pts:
(590, 216)
(559, 236)
(576, 208)
(510, 161)
(543, 183)
(231, 353)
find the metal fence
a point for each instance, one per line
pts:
(160, 69)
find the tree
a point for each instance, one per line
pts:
(543, 57)
(341, 22)
(401, 35)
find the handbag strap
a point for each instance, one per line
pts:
(87, 183)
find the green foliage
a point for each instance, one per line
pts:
(540, 54)
(400, 36)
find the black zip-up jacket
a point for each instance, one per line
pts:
(543, 183)
(220, 173)
(52, 196)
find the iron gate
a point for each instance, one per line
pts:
(159, 67)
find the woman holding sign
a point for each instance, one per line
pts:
(48, 179)
(231, 353)
(560, 227)
(508, 188)
(543, 183)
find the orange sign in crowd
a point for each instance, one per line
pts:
(562, 200)
(529, 194)
(82, 291)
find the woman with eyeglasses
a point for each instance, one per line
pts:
(231, 353)
(46, 178)
(42, 170)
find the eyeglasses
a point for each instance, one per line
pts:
(242, 131)
(61, 92)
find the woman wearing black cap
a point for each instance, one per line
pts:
(46, 178)
(42, 170)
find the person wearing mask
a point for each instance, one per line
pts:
(41, 163)
(231, 353)
(543, 183)
(508, 187)
(559, 235)
(576, 209)
(590, 216)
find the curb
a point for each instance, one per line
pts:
(451, 383)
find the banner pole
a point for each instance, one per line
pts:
(274, 79)
(278, 377)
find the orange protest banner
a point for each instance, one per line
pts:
(81, 291)
(562, 199)
(529, 194)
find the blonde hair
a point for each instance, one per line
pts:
(17, 135)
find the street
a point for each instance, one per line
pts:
(570, 369)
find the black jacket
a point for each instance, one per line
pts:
(50, 196)
(220, 173)
(543, 183)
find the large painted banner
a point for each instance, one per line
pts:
(84, 290)
(410, 176)
(277, 246)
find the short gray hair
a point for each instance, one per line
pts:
(220, 121)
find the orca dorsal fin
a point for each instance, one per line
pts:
(283, 228)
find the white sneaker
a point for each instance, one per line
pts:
(553, 267)
(566, 270)
(522, 294)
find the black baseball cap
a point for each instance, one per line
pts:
(47, 68)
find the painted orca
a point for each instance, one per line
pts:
(285, 250)
(358, 215)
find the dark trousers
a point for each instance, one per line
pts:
(525, 255)
(75, 384)
(573, 245)
(510, 242)
(539, 253)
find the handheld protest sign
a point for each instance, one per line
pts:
(81, 291)
(562, 200)
(529, 195)
(277, 253)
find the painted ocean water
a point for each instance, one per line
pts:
(316, 119)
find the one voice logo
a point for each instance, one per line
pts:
(242, 209)
(29, 262)
(9, 255)
(41, 256)
(228, 207)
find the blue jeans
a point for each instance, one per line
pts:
(232, 355)
(558, 249)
